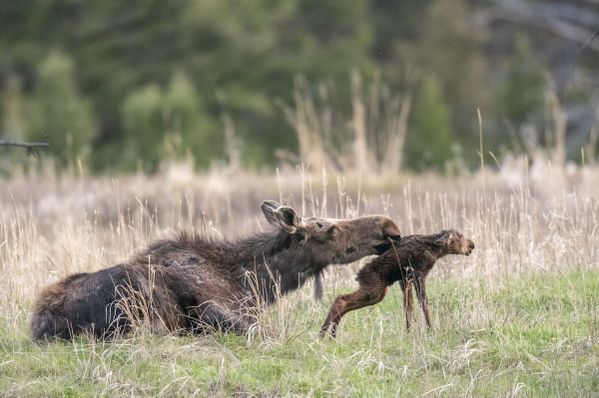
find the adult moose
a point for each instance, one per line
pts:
(197, 284)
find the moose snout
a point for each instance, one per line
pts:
(470, 247)
(394, 237)
(391, 235)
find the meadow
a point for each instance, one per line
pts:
(519, 317)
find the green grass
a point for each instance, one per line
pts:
(531, 335)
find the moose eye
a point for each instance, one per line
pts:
(319, 224)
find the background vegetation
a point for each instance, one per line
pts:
(122, 85)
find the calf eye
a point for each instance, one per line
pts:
(319, 224)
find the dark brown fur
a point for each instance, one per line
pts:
(196, 284)
(407, 263)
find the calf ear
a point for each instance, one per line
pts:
(443, 239)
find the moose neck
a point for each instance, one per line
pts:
(275, 264)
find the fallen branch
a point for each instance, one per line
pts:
(27, 145)
(31, 147)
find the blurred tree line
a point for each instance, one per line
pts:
(123, 85)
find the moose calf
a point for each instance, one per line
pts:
(408, 262)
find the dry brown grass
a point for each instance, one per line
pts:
(536, 219)
(525, 220)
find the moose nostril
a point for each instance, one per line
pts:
(471, 245)
(396, 238)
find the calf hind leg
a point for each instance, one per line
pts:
(349, 302)
(421, 293)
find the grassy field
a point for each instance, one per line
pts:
(535, 335)
(520, 317)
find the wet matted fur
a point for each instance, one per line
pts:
(408, 263)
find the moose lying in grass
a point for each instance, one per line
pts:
(195, 284)
(408, 263)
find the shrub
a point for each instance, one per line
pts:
(58, 114)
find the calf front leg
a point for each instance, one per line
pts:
(421, 294)
(406, 288)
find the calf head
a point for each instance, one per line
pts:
(453, 242)
(322, 241)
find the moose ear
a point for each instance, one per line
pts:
(287, 219)
(268, 208)
(281, 216)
